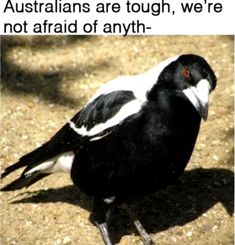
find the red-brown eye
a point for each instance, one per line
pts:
(186, 72)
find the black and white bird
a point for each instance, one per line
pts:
(133, 137)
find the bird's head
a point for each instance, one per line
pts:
(192, 75)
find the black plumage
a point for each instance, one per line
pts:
(135, 136)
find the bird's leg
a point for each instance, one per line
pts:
(99, 216)
(145, 236)
(143, 233)
(104, 232)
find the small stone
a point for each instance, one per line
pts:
(57, 242)
(28, 223)
(24, 137)
(174, 239)
(189, 234)
(66, 240)
(214, 228)
(215, 157)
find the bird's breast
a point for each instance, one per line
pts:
(143, 155)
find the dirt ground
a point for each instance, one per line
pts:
(46, 80)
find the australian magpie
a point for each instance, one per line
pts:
(133, 137)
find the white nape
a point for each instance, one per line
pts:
(139, 84)
(59, 163)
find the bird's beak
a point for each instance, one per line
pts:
(199, 96)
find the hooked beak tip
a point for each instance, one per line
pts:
(204, 112)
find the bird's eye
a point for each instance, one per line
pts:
(186, 72)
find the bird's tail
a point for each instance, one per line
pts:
(38, 169)
(24, 181)
(26, 160)
(53, 156)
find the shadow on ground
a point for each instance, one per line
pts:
(46, 85)
(197, 191)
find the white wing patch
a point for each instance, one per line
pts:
(60, 163)
(128, 109)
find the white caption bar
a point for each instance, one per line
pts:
(125, 17)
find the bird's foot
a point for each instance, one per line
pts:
(104, 232)
(140, 228)
(143, 233)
